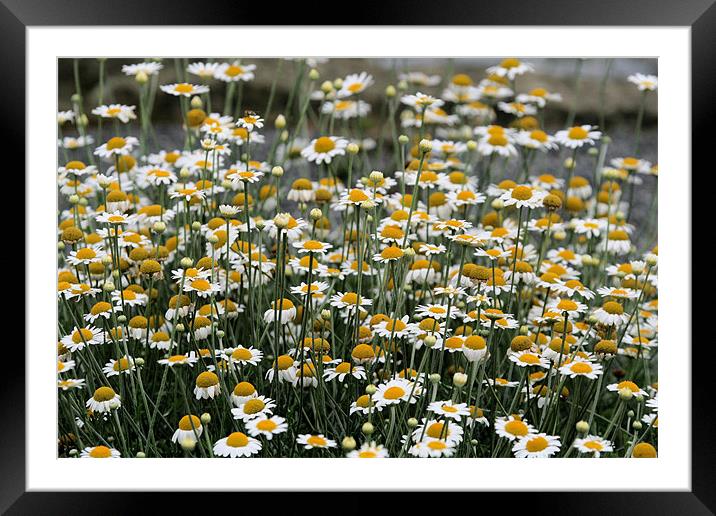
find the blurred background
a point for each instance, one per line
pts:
(581, 83)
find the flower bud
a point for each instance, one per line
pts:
(159, 227)
(497, 204)
(141, 77)
(459, 380)
(425, 146)
(313, 74)
(205, 418)
(434, 378)
(188, 444)
(626, 394)
(141, 455)
(403, 139)
(371, 389)
(196, 102)
(348, 443)
(316, 214)
(108, 286)
(277, 171)
(352, 148)
(412, 422)
(279, 122)
(327, 87)
(390, 91)
(582, 427)
(367, 428)
(430, 341)
(472, 145)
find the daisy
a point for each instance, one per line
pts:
(266, 426)
(644, 82)
(203, 70)
(581, 367)
(283, 309)
(395, 328)
(510, 68)
(176, 360)
(80, 337)
(364, 405)
(184, 89)
(611, 313)
(342, 370)
(626, 384)
(100, 452)
(119, 111)
(536, 446)
(438, 430)
(431, 448)
(324, 149)
(522, 196)
(496, 144)
(312, 246)
(103, 400)
(70, 383)
(449, 409)
(189, 430)
(237, 444)
(369, 450)
(86, 255)
(206, 385)
(421, 101)
(235, 72)
(260, 406)
(593, 444)
(101, 309)
(354, 84)
(319, 441)
(576, 137)
(539, 96)
(148, 68)
(513, 427)
(394, 391)
(116, 146)
(124, 365)
(437, 311)
(243, 356)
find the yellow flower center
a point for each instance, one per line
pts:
(522, 193)
(324, 144)
(517, 428)
(394, 393)
(510, 63)
(237, 440)
(316, 440)
(357, 195)
(100, 452)
(537, 444)
(184, 88)
(266, 425)
(244, 389)
(104, 394)
(312, 245)
(577, 133)
(241, 354)
(116, 143)
(253, 406)
(614, 308)
(207, 379)
(81, 335)
(86, 253)
(581, 368)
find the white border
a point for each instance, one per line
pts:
(672, 470)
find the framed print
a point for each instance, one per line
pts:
(261, 251)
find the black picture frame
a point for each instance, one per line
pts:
(699, 15)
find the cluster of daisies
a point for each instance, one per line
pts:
(405, 279)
